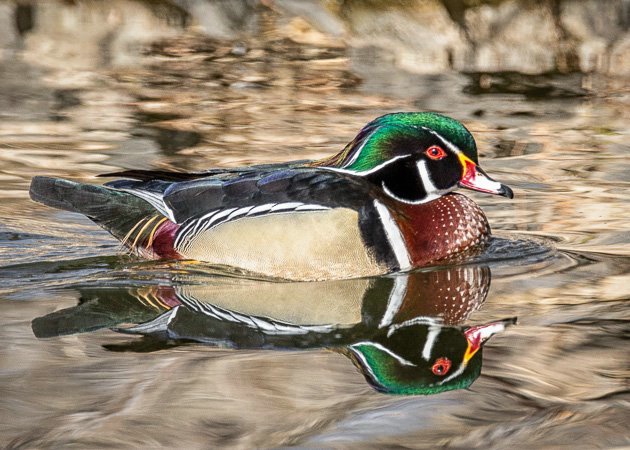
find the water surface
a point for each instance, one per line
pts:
(184, 101)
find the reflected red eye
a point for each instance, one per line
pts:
(435, 153)
(441, 366)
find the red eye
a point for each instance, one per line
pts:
(435, 153)
(441, 366)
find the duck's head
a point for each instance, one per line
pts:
(416, 157)
(422, 358)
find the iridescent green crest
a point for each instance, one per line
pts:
(400, 134)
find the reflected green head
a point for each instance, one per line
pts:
(416, 358)
(387, 374)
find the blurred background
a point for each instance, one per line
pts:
(88, 87)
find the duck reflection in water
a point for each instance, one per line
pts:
(403, 332)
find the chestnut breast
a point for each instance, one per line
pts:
(443, 229)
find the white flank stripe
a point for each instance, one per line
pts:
(394, 236)
(219, 216)
(396, 297)
(283, 206)
(311, 208)
(199, 223)
(169, 213)
(261, 208)
(244, 319)
(263, 325)
(207, 216)
(239, 212)
(182, 234)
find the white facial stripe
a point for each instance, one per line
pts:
(434, 332)
(398, 358)
(365, 364)
(359, 150)
(394, 236)
(457, 373)
(395, 300)
(432, 192)
(447, 143)
(367, 172)
(420, 320)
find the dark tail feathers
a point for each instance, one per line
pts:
(117, 211)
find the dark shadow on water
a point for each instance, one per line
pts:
(169, 140)
(532, 87)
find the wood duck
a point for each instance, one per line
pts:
(385, 203)
(400, 331)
